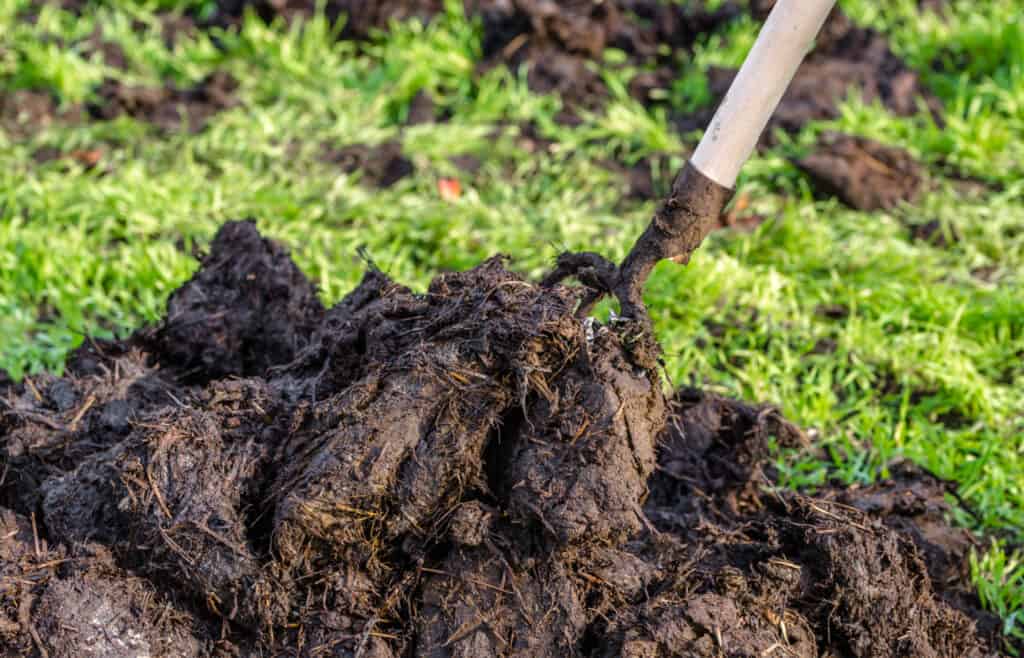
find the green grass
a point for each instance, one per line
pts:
(928, 364)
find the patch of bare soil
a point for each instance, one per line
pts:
(167, 107)
(561, 41)
(379, 166)
(469, 471)
(862, 173)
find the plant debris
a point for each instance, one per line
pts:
(474, 470)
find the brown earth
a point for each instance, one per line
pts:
(862, 173)
(557, 39)
(472, 471)
(168, 107)
(560, 43)
(381, 165)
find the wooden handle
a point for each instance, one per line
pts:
(785, 39)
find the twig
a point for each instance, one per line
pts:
(35, 536)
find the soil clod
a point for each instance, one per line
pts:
(380, 166)
(168, 107)
(863, 173)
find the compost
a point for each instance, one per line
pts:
(474, 470)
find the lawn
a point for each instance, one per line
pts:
(885, 345)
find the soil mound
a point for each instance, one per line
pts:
(470, 471)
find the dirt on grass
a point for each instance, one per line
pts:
(561, 42)
(361, 18)
(470, 471)
(862, 173)
(379, 166)
(24, 112)
(168, 107)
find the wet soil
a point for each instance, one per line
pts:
(862, 173)
(469, 471)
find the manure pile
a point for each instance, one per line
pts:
(472, 471)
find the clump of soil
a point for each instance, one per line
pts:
(380, 166)
(61, 604)
(168, 107)
(247, 308)
(862, 173)
(561, 41)
(475, 470)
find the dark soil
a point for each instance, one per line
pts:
(167, 107)
(378, 166)
(863, 173)
(471, 471)
(559, 41)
